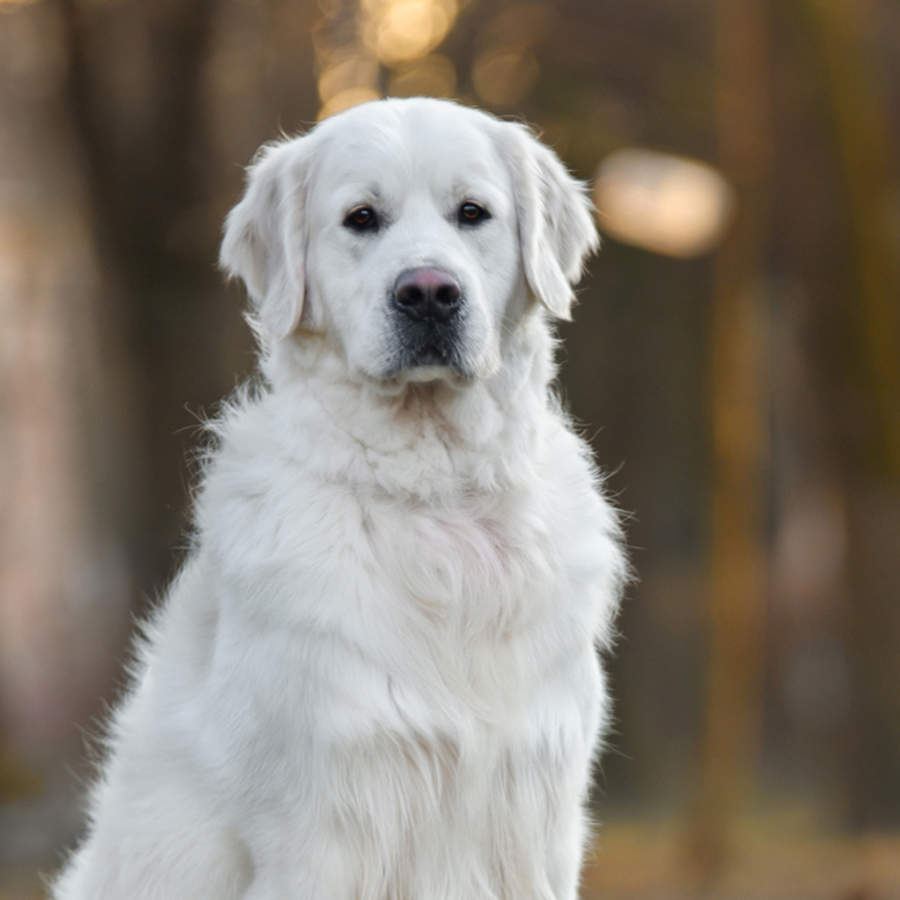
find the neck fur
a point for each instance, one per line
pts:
(420, 439)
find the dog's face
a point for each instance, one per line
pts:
(413, 234)
(413, 252)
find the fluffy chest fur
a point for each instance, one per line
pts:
(417, 679)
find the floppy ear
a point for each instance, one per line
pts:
(264, 238)
(556, 228)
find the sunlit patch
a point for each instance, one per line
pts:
(352, 73)
(668, 204)
(402, 30)
(433, 76)
(504, 77)
(345, 99)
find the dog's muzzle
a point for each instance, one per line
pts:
(429, 303)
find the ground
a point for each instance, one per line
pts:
(642, 861)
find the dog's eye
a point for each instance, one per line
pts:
(471, 214)
(362, 218)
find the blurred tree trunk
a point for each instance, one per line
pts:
(862, 125)
(112, 316)
(65, 590)
(737, 564)
(140, 138)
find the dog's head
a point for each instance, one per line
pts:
(413, 234)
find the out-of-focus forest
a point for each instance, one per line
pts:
(735, 360)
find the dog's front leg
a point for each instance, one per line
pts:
(571, 833)
(565, 856)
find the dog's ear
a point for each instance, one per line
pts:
(556, 226)
(264, 241)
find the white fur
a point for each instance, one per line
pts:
(375, 677)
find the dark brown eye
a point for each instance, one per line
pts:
(472, 214)
(362, 218)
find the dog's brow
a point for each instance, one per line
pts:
(478, 189)
(353, 193)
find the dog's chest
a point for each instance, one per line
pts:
(486, 566)
(486, 680)
(439, 686)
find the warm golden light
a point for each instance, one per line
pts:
(401, 30)
(353, 72)
(345, 99)
(668, 204)
(433, 76)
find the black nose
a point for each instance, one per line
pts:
(427, 293)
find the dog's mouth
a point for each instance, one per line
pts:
(427, 351)
(431, 355)
(428, 367)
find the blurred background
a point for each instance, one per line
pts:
(735, 361)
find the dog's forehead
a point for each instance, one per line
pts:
(398, 144)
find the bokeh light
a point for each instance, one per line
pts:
(346, 98)
(354, 72)
(401, 30)
(433, 76)
(668, 204)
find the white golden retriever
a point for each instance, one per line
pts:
(376, 675)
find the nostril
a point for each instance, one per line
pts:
(410, 295)
(447, 294)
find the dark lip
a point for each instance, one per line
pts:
(408, 365)
(430, 356)
(424, 357)
(428, 343)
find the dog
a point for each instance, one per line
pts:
(376, 676)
